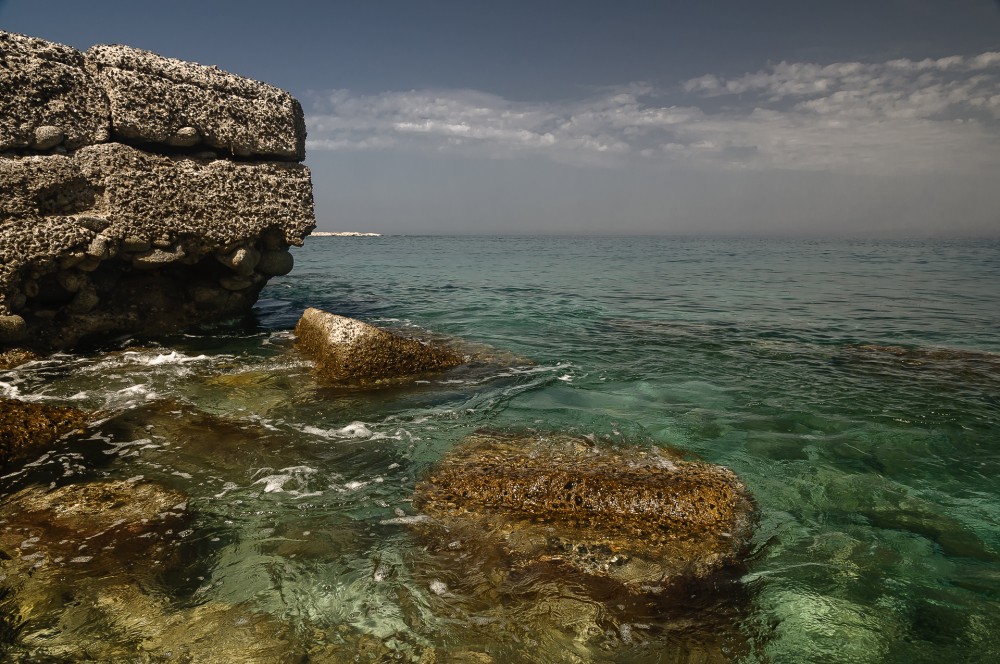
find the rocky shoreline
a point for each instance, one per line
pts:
(141, 195)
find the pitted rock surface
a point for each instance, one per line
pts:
(348, 350)
(48, 98)
(101, 238)
(640, 516)
(162, 100)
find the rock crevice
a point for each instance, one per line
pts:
(139, 194)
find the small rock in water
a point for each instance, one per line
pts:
(348, 350)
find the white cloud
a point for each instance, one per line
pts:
(900, 116)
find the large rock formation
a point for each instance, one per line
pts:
(181, 218)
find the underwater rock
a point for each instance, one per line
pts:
(644, 518)
(122, 623)
(347, 350)
(969, 365)
(109, 523)
(29, 428)
(76, 570)
(110, 530)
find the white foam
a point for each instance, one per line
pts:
(404, 520)
(173, 357)
(276, 483)
(352, 430)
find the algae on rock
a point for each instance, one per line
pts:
(641, 517)
(30, 428)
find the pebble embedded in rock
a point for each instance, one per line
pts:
(94, 223)
(155, 258)
(84, 301)
(71, 281)
(12, 328)
(185, 137)
(242, 260)
(133, 244)
(48, 136)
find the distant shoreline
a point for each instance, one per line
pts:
(343, 234)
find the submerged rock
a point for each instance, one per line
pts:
(29, 428)
(122, 623)
(645, 518)
(970, 365)
(80, 569)
(348, 350)
(105, 524)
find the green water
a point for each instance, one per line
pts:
(853, 385)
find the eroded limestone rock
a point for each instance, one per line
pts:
(109, 250)
(162, 100)
(348, 350)
(48, 98)
(27, 429)
(645, 518)
(99, 237)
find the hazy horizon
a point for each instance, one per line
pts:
(720, 118)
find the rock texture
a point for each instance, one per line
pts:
(28, 429)
(642, 517)
(181, 219)
(47, 95)
(161, 100)
(350, 351)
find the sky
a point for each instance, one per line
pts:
(714, 117)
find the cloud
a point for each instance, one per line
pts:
(900, 116)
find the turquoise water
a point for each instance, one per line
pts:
(853, 385)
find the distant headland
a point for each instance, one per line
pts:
(343, 234)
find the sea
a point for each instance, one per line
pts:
(852, 384)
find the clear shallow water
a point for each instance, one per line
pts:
(854, 386)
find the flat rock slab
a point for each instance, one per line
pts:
(218, 201)
(48, 97)
(350, 351)
(28, 429)
(133, 213)
(163, 100)
(643, 517)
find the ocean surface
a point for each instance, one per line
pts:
(854, 386)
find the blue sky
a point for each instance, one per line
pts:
(715, 117)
